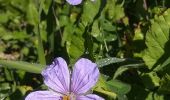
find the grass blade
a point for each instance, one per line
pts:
(21, 65)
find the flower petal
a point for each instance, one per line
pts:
(74, 2)
(57, 76)
(43, 95)
(89, 97)
(85, 75)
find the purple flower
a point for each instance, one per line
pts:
(75, 2)
(63, 86)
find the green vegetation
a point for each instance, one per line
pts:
(128, 39)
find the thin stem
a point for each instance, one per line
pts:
(40, 47)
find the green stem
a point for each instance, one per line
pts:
(40, 48)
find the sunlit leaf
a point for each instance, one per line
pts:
(157, 40)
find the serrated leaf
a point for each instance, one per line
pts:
(156, 40)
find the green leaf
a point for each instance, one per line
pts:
(138, 92)
(75, 47)
(3, 17)
(32, 14)
(51, 27)
(40, 49)
(150, 80)
(165, 84)
(107, 25)
(103, 30)
(122, 97)
(109, 37)
(101, 87)
(107, 61)
(154, 96)
(95, 29)
(114, 10)
(90, 10)
(74, 42)
(5, 90)
(108, 93)
(124, 68)
(9, 75)
(118, 86)
(68, 32)
(112, 88)
(163, 66)
(157, 38)
(21, 65)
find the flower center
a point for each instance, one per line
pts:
(70, 96)
(65, 97)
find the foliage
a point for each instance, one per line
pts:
(128, 39)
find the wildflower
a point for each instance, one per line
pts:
(63, 86)
(75, 2)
